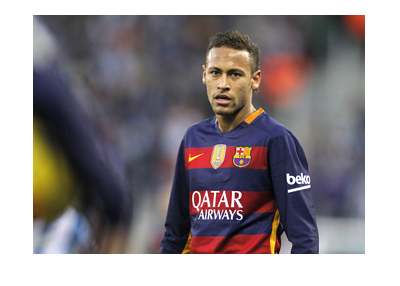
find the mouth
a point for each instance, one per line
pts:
(222, 99)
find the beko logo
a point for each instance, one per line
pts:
(299, 180)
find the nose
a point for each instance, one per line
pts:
(223, 83)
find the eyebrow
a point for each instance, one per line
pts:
(229, 71)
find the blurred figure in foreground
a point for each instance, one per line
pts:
(81, 202)
(70, 172)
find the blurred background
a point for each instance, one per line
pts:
(136, 81)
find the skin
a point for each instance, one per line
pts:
(230, 84)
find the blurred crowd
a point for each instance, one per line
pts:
(138, 80)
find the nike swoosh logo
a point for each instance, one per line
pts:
(192, 158)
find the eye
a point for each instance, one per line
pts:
(214, 73)
(236, 74)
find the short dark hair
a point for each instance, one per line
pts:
(238, 41)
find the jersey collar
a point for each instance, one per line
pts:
(251, 117)
(254, 115)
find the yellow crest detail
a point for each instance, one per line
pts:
(242, 156)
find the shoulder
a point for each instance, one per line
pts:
(204, 125)
(270, 126)
(276, 133)
(200, 130)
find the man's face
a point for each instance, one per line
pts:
(229, 80)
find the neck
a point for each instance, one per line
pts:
(228, 122)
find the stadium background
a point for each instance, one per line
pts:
(139, 80)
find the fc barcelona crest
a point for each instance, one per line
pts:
(242, 156)
(218, 155)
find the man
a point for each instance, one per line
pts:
(241, 178)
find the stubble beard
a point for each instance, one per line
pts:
(234, 107)
(228, 111)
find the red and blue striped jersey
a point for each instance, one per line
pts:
(236, 192)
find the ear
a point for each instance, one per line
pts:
(204, 74)
(256, 80)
